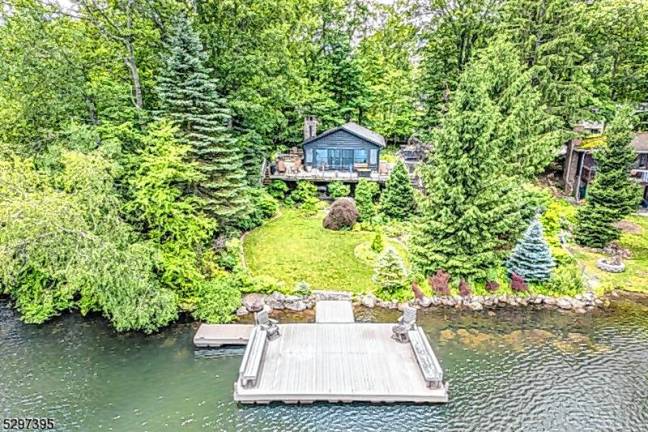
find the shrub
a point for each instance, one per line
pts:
(264, 206)
(303, 192)
(229, 258)
(440, 282)
(309, 206)
(302, 289)
(378, 244)
(464, 288)
(365, 194)
(492, 286)
(277, 189)
(342, 214)
(397, 200)
(389, 273)
(218, 298)
(416, 290)
(337, 189)
(518, 284)
(566, 280)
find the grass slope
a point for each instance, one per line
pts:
(294, 248)
(635, 277)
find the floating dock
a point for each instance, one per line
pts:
(337, 360)
(216, 335)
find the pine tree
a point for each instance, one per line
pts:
(389, 272)
(613, 195)
(188, 98)
(531, 257)
(397, 200)
(365, 193)
(472, 208)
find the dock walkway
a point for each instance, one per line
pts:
(332, 311)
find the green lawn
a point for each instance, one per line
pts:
(635, 277)
(294, 248)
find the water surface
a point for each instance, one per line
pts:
(515, 371)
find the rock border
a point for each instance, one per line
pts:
(581, 303)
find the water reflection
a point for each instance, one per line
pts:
(512, 371)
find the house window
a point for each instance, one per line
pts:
(321, 158)
(373, 156)
(309, 156)
(360, 156)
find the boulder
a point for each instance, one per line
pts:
(564, 303)
(254, 302)
(368, 301)
(475, 306)
(276, 300)
(242, 311)
(295, 306)
(425, 301)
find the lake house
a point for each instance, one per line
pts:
(346, 153)
(579, 166)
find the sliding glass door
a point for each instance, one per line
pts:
(340, 159)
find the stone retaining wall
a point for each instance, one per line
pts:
(581, 303)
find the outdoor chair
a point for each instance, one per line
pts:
(406, 322)
(266, 323)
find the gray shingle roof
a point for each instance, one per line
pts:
(355, 129)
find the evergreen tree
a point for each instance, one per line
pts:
(397, 201)
(389, 272)
(471, 208)
(188, 97)
(613, 195)
(365, 193)
(529, 135)
(531, 257)
(550, 35)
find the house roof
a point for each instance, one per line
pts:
(640, 142)
(354, 129)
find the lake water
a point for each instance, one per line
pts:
(532, 371)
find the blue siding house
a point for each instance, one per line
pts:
(350, 148)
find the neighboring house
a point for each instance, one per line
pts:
(580, 165)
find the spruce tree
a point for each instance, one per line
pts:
(613, 194)
(365, 193)
(397, 200)
(531, 257)
(389, 272)
(189, 98)
(471, 208)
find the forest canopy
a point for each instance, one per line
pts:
(132, 133)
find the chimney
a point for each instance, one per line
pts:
(310, 127)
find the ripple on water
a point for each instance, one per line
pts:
(513, 372)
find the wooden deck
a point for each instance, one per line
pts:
(334, 312)
(215, 335)
(339, 363)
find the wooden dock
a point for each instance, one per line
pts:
(216, 335)
(331, 311)
(338, 360)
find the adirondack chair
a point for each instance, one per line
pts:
(266, 323)
(406, 322)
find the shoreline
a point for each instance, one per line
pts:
(579, 304)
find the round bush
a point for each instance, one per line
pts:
(342, 214)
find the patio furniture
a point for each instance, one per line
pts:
(267, 324)
(406, 323)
